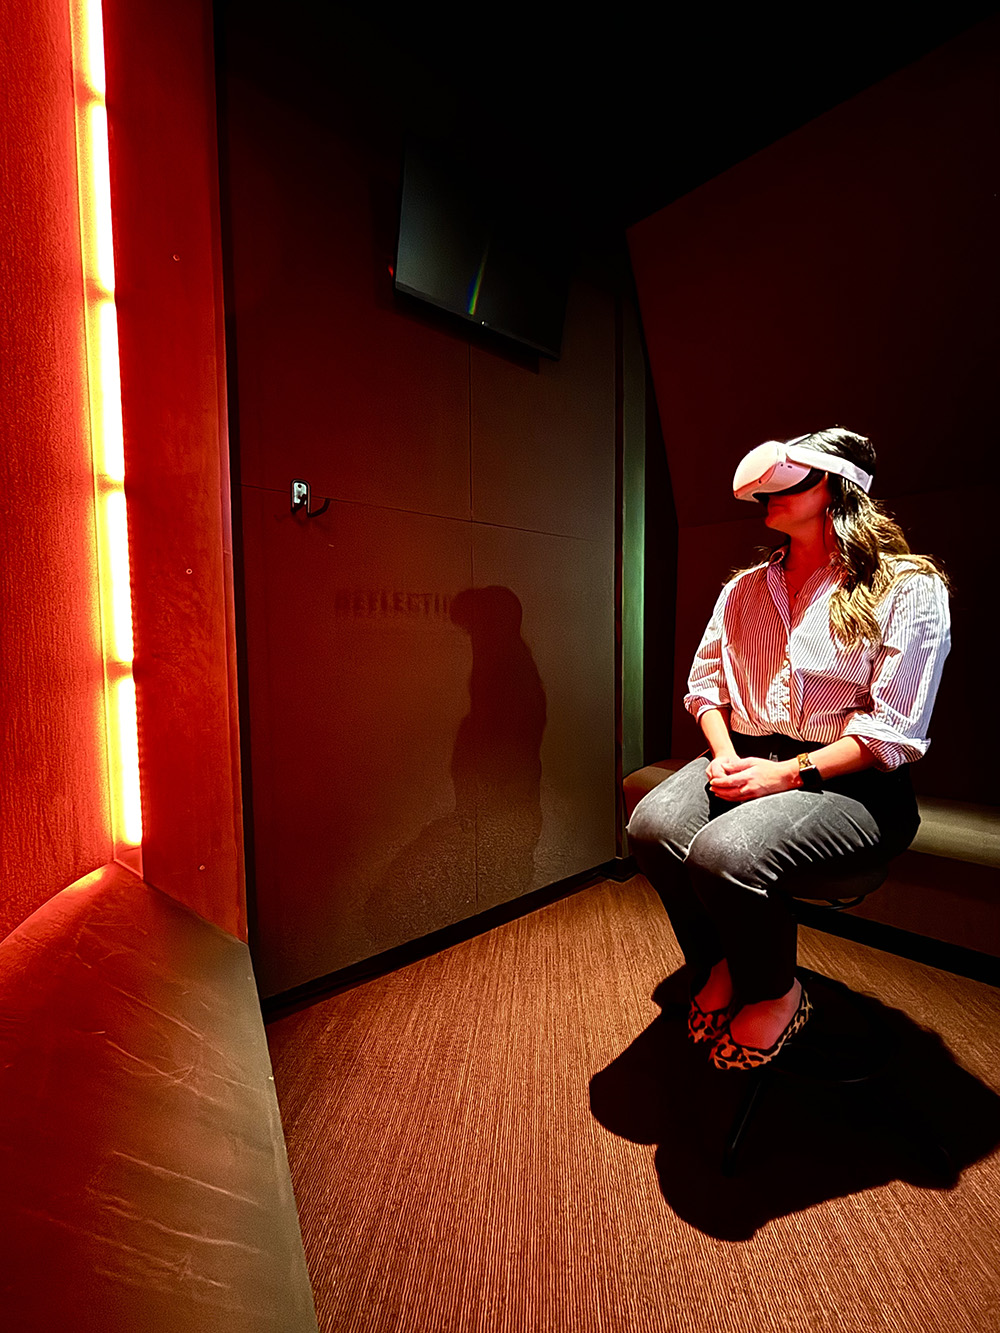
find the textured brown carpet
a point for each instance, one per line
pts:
(515, 1135)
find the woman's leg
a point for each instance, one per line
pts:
(745, 863)
(660, 832)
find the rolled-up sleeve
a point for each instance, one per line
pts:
(706, 683)
(907, 671)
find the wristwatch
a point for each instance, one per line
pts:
(812, 779)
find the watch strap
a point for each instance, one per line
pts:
(812, 779)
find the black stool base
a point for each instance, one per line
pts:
(844, 1042)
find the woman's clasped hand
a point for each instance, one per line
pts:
(734, 779)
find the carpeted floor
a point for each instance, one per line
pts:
(516, 1135)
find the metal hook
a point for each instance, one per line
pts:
(301, 495)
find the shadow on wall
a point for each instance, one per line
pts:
(496, 770)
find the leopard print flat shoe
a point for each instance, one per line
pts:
(729, 1054)
(706, 1025)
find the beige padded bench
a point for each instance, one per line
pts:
(145, 1182)
(946, 886)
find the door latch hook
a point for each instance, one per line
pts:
(301, 494)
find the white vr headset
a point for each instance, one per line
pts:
(774, 466)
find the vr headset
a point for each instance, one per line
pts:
(789, 468)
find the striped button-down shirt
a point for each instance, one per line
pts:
(785, 671)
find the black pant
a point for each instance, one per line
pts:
(725, 871)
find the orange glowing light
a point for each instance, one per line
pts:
(109, 452)
(128, 749)
(107, 439)
(88, 43)
(116, 532)
(100, 166)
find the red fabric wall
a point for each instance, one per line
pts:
(164, 183)
(53, 778)
(53, 781)
(848, 275)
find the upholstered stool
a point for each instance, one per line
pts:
(843, 1043)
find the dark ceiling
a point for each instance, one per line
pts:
(612, 112)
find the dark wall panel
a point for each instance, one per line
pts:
(337, 385)
(358, 676)
(845, 274)
(541, 432)
(430, 664)
(545, 719)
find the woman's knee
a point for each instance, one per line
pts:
(670, 814)
(648, 821)
(728, 850)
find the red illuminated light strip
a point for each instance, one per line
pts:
(107, 444)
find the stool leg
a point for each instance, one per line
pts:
(904, 1115)
(741, 1120)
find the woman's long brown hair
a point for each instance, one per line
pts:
(871, 551)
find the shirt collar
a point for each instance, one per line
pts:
(777, 557)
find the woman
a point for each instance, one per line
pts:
(813, 685)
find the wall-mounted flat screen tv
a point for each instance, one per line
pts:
(472, 243)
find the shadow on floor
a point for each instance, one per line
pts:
(922, 1119)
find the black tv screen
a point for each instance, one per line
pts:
(473, 244)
